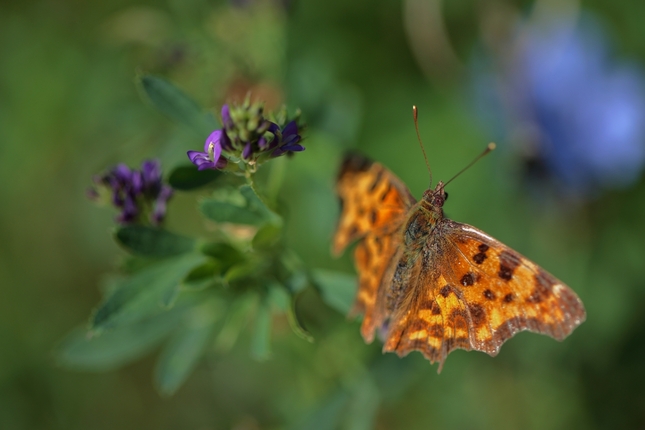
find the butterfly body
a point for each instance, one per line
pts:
(431, 284)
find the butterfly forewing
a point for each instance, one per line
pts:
(477, 295)
(514, 293)
(374, 204)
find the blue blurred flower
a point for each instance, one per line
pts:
(579, 113)
(135, 192)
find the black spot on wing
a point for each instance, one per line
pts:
(477, 314)
(468, 279)
(481, 256)
(508, 262)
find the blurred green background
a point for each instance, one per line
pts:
(69, 108)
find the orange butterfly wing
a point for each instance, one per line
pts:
(374, 206)
(455, 287)
(478, 294)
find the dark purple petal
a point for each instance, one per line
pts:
(207, 165)
(226, 115)
(273, 128)
(221, 163)
(225, 141)
(130, 211)
(122, 173)
(117, 198)
(293, 148)
(136, 182)
(286, 148)
(217, 151)
(248, 150)
(262, 143)
(291, 140)
(274, 143)
(213, 137)
(278, 152)
(290, 129)
(195, 155)
(150, 172)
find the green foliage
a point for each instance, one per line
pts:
(86, 351)
(180, 356)
(173, 102)
(187, 178)
(144, 293)
(153, 242)
(241, 206)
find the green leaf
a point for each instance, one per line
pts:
(294, 323)
(249, 269)
(187, 178)
(257, 205)
(236, 318)
(80, 350)
(261, 341)
(205, 276)
(227, 212)
(143, 293)
(266, 237)
(153, 242)
(182, 353)
(244, 208)
(336, 288)
(172, 101)
(226, 254)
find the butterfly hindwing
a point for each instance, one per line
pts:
(374, 204)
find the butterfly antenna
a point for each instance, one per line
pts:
(488, 149)
(415, 114)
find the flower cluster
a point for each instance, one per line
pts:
(247, 137)
(579, 114)
(136, 193)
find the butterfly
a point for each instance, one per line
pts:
(431, 284)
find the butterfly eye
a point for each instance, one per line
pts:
(445, 196)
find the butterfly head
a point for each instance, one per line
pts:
(437, 197)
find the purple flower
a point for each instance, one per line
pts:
(581, 113)
(159, 210)
(135, 192)
(211, 157)
(248, 138)
(226, 116)
(289, 141)
(246, 153)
